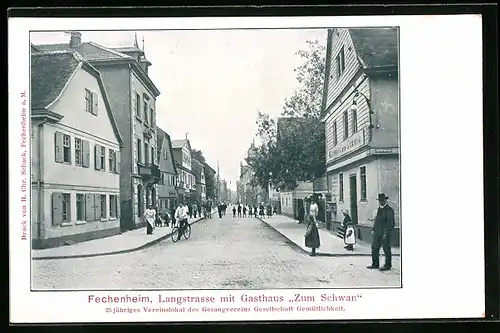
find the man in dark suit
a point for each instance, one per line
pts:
(382, 227)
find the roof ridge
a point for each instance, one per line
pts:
(123, 55)
(55, 52)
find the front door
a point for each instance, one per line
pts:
(353, 195)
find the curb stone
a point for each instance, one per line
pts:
(101, 254)
(320, 254)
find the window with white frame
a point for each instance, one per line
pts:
(80, 207)
(113, 205)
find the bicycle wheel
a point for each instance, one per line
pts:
(175, 234)
(187, 231)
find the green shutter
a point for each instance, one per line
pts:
(89, 207)
(57, 208)
(85, 154)
(95, 103)
(97, 206)
(58, 144)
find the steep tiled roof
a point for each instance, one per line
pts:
(127, 49)
(376, 47)
(49, 74)
(89, 50)
(178, 143)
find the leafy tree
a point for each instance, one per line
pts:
(209, 176)
(293, 147)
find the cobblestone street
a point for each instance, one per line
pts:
(227, 253)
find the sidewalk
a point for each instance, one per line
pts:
(331, 245)
(129, 241)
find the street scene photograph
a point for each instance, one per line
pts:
(215, 159)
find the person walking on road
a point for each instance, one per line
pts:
(255, 211)
(244, 211)
(382, 227)
(181, 214)
(269, 211)
(150, 217)
(249, 211)
(234, 211)
(313, 209)
(261, 210)
(312, 240)
(301, 213)
(239, 210)
(220, 209)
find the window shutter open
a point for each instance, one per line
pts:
(118, 206)
(89, 207)
(97, 157)
(86, 154)
(57, 208)
(117, 161)
(58, 144)
(95, 103)
(134, 103)
(97, 206)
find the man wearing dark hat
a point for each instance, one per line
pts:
(382, 227)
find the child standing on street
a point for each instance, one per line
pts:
(349, 233)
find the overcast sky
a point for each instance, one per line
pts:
(213, 82)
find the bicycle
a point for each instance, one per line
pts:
(186, 233)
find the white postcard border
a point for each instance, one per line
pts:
(442, 178)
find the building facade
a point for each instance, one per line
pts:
(186, 182)
(167, 191)
(361, 117)
(199, 175)
(75, 152)
(132, 96)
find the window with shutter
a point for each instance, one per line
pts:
(103, 206)
(117, 161)
(97, 207)
(95, 104)
(57, 208)
(86, 154)
(97, 157)
(78, 152)
(118, 205)
(88, 101)
(102, 156)
(134, 103)
(58, 144)
(66, 207)
(89, 207)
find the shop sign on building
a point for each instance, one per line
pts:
(352, 143)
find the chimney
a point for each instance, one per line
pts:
(75, 40)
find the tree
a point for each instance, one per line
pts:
(293, 147)
(209, 176)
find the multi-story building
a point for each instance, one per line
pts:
(186, 182)
(210, 174)
(361, 116)
(132, 95)
(167, 191)
(199, 175)
(75, 152)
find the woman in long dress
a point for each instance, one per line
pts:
(312, 235)
(150, 216)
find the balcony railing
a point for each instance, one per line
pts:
(149, 171)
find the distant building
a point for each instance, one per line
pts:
(361, 117)
(210, 173)
(186, 182)
(75, 152)
(132, 95)
(199, 175)
(167, 191)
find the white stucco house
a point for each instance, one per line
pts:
(75, 152)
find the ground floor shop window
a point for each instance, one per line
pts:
(112, 206)
(80, 207)
(341, 187)
(66, 207)
(362, 172)
(103, 206)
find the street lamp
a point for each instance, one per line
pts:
(354, 106)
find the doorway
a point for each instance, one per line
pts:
(153, 197)
(353, 196)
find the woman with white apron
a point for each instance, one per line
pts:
(150, 217)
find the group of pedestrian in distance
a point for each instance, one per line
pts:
(262, 210)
